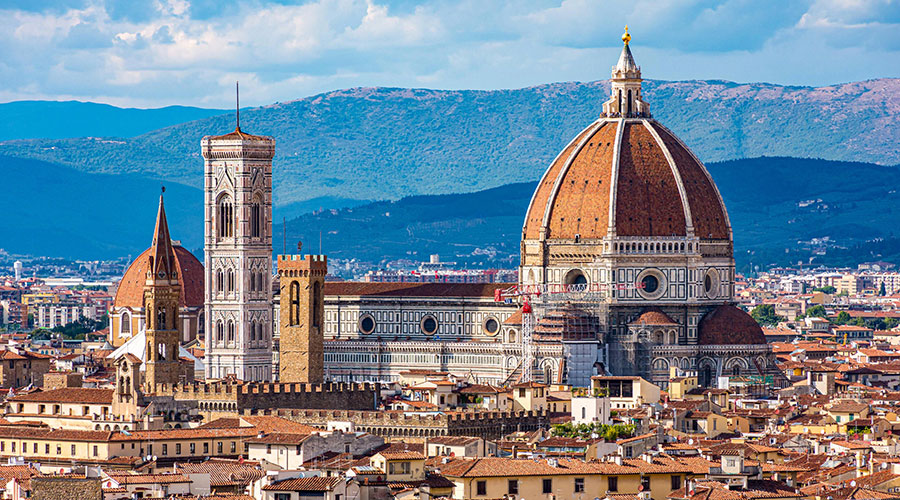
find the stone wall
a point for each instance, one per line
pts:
(61, 380)
(393, 425)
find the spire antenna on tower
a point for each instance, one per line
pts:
(237, 104)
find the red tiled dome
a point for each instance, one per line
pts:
(646, 184)
(654, 316)
(729, 325)
(190, 276)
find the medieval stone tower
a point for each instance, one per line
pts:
(301, 318)
(128, 394)
(238, 250)
(161, 301)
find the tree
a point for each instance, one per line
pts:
(827, 289)
(765, 315)
(816, 311)
(890, 323)
(881, 290)
(842, 318)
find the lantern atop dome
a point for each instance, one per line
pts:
(625, 100)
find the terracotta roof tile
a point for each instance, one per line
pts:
(68, 395)
(304, 484)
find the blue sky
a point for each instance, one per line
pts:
(149, 53)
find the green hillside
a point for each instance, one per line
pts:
(383, 143)
(772, 202)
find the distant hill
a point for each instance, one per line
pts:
(384, 143)
(772, 203)
(57, 119)
(58, 211)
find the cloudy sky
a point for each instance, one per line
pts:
(149, 53)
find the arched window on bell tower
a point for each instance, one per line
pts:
(317, 296)
(256, 220)
(294, 313)
(161, 318)
(225, 217)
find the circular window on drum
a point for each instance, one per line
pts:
(491, 326)
(366, 324)
(651, 284)
(711, 283)
(429, 325)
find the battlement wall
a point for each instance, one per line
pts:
(397, 424)
(296, 265)
(338, 395)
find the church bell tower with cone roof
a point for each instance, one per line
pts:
(161, 300)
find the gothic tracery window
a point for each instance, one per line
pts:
(225, 217)
(256, 220)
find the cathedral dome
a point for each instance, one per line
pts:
(626, 175)
(729, 325)
(190, 276)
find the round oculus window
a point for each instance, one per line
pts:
(650, 284)
(491, 326)
(367, 324)
(429, 325)
(711, 283)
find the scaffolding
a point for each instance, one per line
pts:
(558, 313)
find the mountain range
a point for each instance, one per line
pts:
(62, 119)
(454, 168)
(773, 204)
(386, 143)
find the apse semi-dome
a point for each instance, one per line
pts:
(626, 175)
(729, 325)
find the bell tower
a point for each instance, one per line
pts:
(238, 255)
(161, 297)
(302, 313)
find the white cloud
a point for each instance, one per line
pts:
(190, 51)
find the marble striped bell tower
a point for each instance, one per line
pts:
(238, 255)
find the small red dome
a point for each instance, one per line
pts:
(190, 276)
(729, 325)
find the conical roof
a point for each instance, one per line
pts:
(626, 62)
(162, 254)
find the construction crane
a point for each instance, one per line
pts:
(548, 294)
